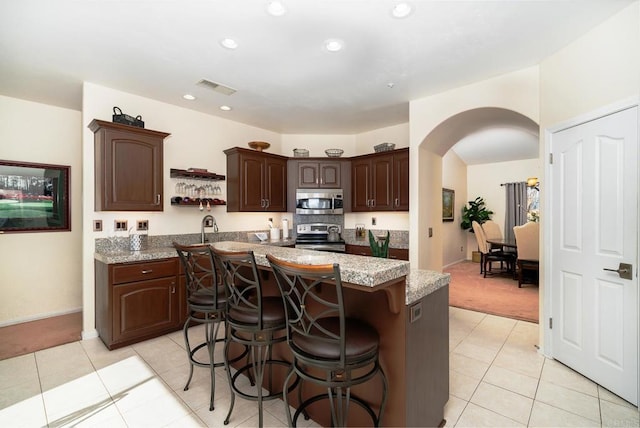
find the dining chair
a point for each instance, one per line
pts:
(487, 257)
(492, 231)
(528, 247)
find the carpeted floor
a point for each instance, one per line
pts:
(497, 295)
(33, 336)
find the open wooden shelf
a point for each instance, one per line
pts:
(197, 203)
(174, 173)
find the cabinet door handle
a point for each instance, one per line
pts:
(267, 203)
(147, 271)
(373, 203)
(261, 203)
(158, 199)
(397, 202)
(173, 290)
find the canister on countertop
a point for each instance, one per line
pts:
(275, 234)
(137, 242)
(285, 228)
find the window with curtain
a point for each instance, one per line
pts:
(516, 207)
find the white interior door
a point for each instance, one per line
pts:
(594, 226)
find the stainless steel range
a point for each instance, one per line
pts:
(320, 237)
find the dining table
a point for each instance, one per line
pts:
(504, 243)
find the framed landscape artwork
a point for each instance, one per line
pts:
(34, 197)
(448, 204)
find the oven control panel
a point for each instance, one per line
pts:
(316, 228)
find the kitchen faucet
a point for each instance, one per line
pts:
(208, 221)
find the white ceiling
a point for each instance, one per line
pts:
(497, 145)
(285, 80)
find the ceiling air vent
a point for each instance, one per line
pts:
(217, 87)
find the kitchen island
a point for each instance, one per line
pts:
(409, 309)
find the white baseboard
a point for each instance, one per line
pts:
(453, 263)
(38, 317)
(89, 334)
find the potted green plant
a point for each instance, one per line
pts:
(379, 247)
(475, 211)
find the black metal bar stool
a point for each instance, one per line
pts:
(206, 303)
(253, 320)
(329, 349)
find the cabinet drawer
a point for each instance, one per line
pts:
(131, 272)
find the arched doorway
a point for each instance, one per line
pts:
(429, 180)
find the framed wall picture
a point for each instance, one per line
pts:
(448, 204)
(34, 197)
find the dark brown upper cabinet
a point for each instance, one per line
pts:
(319, 174)
(380, 181)
(128, 167)
(256, 181)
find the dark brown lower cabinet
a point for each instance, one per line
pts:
(362, 250)
(137, 301)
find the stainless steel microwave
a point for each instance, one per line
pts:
(319, 201)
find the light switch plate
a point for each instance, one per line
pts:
(97, 225)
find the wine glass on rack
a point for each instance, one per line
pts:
(209, 190)
(189, 189)
(180, 185)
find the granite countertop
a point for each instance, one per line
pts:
(358, 270)
(422, 282)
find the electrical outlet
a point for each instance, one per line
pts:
(373, 221)
(97, 225)
(120, 225)
(208, 223)
(431, 232)
(142, 225)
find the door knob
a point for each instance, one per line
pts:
(625, 270)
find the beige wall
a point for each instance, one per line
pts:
(317, 144)
(600, 68)
(39, 272)
(397, 134)
(454, 239)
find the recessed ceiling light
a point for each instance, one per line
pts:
(391, 84)
(276, 8)
(333, 45)
(401, 10)
(188, 97)
(229, 43)
(225, 108)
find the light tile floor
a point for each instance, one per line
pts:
(497, 378)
